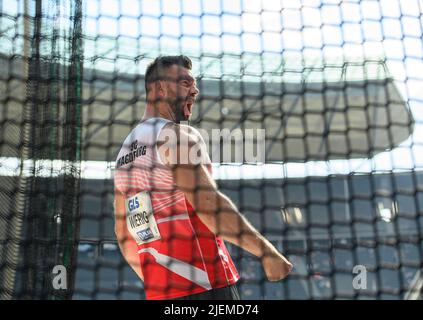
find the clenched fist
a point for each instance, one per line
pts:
(276, 266)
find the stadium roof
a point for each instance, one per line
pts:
(321, 112)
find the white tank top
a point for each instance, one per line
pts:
(139, 151)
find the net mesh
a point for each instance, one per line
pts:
(335, 84)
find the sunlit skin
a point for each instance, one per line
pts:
(173, 97)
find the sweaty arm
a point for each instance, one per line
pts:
(127, 244)
(216, 210)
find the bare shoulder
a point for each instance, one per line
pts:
(179, 132)
(182, 144)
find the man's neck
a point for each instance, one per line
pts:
(152, 112)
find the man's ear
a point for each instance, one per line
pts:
(160, 88)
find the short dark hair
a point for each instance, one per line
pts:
(155, 68)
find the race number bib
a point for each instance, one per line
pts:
(140, 218)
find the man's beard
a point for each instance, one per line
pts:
(178, 111)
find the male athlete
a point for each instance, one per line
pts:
(171, 219)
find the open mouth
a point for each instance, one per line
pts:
(188, 109)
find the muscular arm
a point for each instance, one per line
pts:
(127, 244)
(220, 214)
(216, 210)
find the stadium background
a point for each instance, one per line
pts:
(336, 84)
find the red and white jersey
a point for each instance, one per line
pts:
(179, 255)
